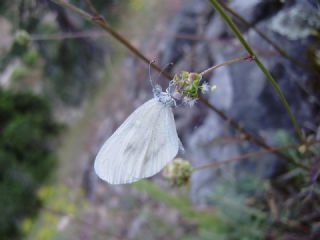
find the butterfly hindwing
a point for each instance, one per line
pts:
(140, 147)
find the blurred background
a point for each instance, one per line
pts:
(66, 85)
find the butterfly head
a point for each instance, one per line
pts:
(164, 97)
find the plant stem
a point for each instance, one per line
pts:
(239, 59)
(238, 34)
(255, 154)
(92, 7)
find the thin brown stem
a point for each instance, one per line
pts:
(252, 155)
(92, 7)
(98, 20)
(95, 34)
(63, 36)
(239, 59)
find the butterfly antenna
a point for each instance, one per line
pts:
(165, 67)
(150, 79)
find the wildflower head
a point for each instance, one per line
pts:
(178, 172)
(22, 38)
(188, 84)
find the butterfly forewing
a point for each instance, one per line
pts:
(140, 147)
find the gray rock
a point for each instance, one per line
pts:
(243, 92)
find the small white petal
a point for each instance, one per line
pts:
(190, 101)
(204, 88)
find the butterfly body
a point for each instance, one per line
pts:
(142, 145)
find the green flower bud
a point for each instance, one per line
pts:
(178, 172)
(188, 84)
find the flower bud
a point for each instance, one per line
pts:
(178, 172)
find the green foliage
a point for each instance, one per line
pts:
(283, 137)
(69, 74)
(30, 57)
(19, 73)
(241, 221)
(26, 133)
(206, 220)
(230, 217)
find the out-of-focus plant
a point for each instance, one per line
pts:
(60, 207)
(63, 72)
(178, 172)
(205, 219)
(27, 131)
(230, 217)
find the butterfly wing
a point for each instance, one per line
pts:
(140, 147)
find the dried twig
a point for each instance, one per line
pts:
(239, 59)
(252, 155)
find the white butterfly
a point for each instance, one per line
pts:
(143, 144)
